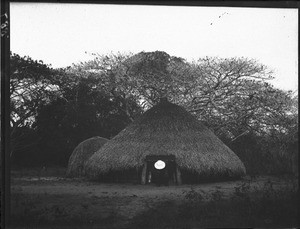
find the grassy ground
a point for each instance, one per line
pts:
(264, 208)
(52, 201)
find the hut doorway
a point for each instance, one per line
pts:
(160, 170)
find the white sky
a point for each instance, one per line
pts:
(60, 34)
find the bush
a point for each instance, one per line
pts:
(267, 155)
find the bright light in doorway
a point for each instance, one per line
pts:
(160, 164)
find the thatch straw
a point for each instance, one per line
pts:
(166, 129)
(81, 153)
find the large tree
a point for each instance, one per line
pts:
(52, 110)
(30, 87)
(84, 110)
(232, 95)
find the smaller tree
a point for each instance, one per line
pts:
(83, 111)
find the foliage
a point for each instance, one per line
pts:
(105, 71)
(147, 76)
(231, 95)
(268, 154)
(30, 88)
(60, 109)
(101, 96)
(82, 112)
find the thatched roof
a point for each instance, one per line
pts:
(166, 129)
(83, 152)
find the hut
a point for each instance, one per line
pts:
(81, 153)
(164, 145)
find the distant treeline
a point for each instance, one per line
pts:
(52, 110)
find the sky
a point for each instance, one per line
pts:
(62, 34)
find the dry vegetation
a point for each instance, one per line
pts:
(82, 153)
(166, 129)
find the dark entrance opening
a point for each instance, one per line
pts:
(160, 170)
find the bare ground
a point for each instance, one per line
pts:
(61, 202)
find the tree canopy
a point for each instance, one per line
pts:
(232, 96)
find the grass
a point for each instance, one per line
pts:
(260, 208)
(247, 206)
(42, 210)
(39, 172)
